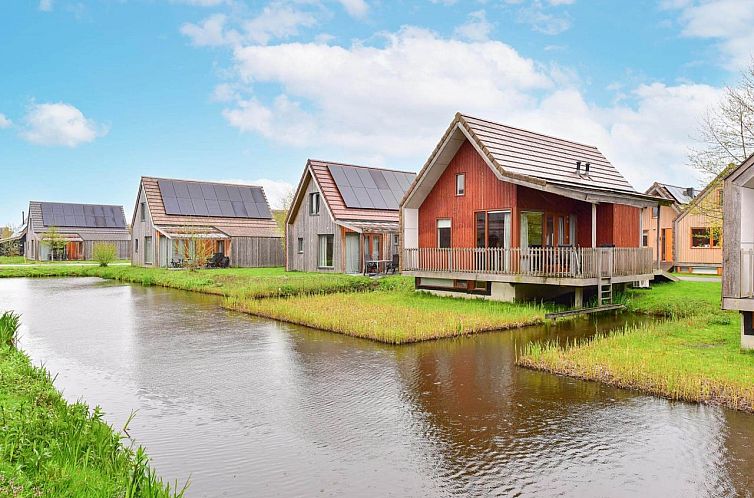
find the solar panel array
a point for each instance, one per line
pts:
(82, 215)
(213, 199)
(370, 188)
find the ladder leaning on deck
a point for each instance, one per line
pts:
(604, 291)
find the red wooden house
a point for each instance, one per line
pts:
(512, 214)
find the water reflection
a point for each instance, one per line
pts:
(249, 406)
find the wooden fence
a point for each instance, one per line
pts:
(570, 262)
(254, 252)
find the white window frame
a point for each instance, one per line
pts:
(300, 245)
(460, 189)
(312, 204)
(322, 252)
(444, 223)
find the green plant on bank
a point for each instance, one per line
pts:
(691, 353)
(393, 314)
(49, 447)
(104, 253)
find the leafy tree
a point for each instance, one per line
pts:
(726, 139)
(53, 240)
(104, 253)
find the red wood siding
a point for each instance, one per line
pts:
(484, 192)
(616, 224)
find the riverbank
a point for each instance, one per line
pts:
(692, 355)
(237, 282)
(393, 313)
(49, 447)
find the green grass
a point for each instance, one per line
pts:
(12, 260)
(692, 353)
(238, 282)
(49, 447)
(393, 313)
(20, 260)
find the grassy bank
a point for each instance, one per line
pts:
(49, 447)
(393, 313)
(20, 260)
(692, 354)
(237, 282)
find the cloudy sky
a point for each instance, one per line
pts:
(95, 93)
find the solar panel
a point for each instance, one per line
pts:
(82, 215)
(370, 188)
(211, 199)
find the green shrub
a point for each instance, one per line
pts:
(104, 253)
(9, 323)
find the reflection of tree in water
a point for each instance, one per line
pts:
(495, 428)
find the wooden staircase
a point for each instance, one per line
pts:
(604, 291)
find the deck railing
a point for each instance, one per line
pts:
(563, 262)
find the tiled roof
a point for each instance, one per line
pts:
(335, 202)
(531, 154)
(235, 227)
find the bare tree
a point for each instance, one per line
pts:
(280, 215)
(54, 241)
(726, 139)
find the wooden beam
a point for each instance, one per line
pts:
(594, 225)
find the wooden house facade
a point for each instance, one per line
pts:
(174, 219)
(79, 228)
(698, 242)
(508, 214)
(344, 218)
(658, 221)
(738, 249)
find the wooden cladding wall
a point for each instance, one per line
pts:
(122, 248)
(256, 252)
(618, 225)
(483, 192)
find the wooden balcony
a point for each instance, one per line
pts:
(533, 264)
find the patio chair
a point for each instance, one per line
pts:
(393, 265)
(216, 261)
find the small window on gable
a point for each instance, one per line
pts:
(143, 211)
(655, 211)
(314, 203)
(461, 184)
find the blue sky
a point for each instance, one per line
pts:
(95, 93)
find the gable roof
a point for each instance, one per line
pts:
(233, 226)
(717, 183)
(36, 222)
(531, 159)
(319, 172)
(679, 195)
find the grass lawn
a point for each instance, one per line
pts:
(238, 282)
(393, 313)
(49, 447)
(12, 260)
(20, 260)
(693, 354)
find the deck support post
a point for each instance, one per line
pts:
(657, 236)
(594, 225)
(578, 297)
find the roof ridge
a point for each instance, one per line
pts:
(360, 166)
(202, 181)
(465, 116)
(77, 203)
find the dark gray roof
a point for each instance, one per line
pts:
(62, 214)
(192, 198)
(370, 188)
(681, 194)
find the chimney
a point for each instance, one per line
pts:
(23, 218)
(578, 166)
(586, 167)
(689, 192)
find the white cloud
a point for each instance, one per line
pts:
(728, 21)
(277, 20)
(543, 21)
(391, 102)
(45, 5)
(355, 8)
(4, 121)
(59, 124)
(476, 28)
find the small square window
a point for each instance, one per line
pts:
(460, 184)
(300, 245)
(655, 211)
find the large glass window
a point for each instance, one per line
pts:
(326, 247)
(443, 234)
(314, 203)
(531, 228)
(704, 237)
(148, 252)
(481, 229)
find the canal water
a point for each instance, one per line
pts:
(251, 407)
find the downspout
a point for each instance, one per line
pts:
(657, 236)
(594, 225)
